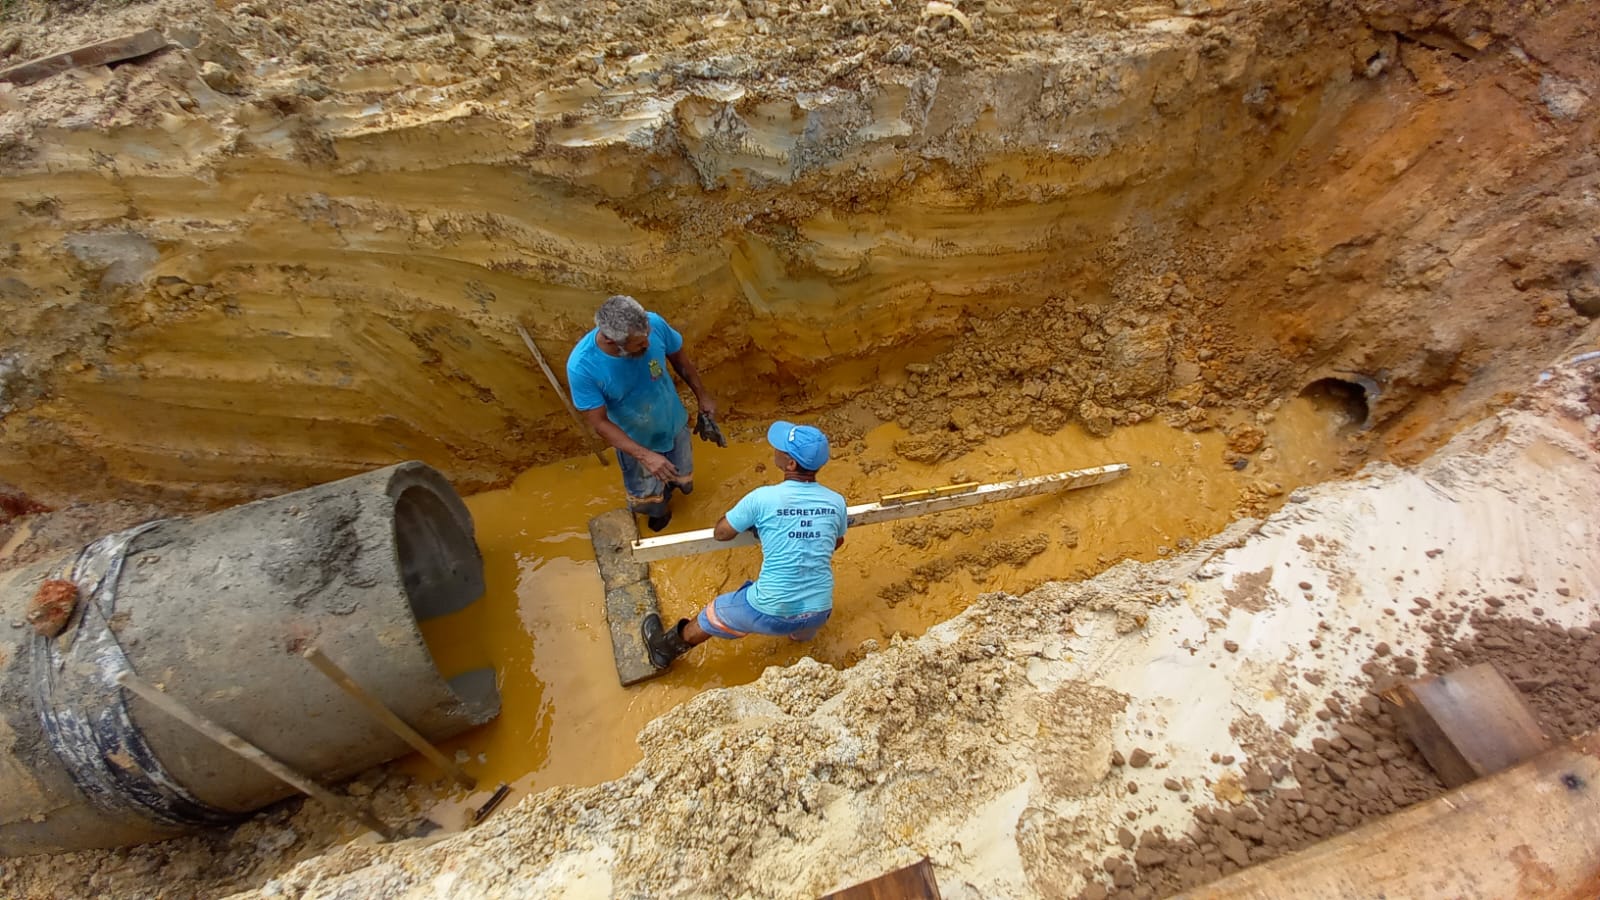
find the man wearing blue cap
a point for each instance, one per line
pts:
(800, 524)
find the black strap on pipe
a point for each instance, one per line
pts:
(84, 713)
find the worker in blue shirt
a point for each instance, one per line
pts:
(800, 524)
(619, 380)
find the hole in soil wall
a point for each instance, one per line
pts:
(1348, 399)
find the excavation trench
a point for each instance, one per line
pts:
(1240, 256)
(566, 720)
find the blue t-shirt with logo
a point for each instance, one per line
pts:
(799, 522)
(638, 394)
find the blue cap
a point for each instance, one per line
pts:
(808, 446)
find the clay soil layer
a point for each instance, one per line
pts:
(294, 245)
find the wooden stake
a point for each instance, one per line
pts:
(490, 805)
(890, 508)
(386, 716)
(560, 391)
(253, 754)
(1468, 723)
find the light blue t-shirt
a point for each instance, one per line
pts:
(638, 394)
(798, 522)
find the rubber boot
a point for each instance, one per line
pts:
(664, 644)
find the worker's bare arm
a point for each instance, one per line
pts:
(653, 462)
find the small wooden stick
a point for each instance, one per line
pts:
(491, 804)
(253, 754)
(560, 392)
(386, 716)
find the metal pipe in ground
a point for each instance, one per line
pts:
(216, 610)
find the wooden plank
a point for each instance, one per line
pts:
(914, 882)
(251, 753)
(100, 53)
(386, 717)
(561, 394)
(943, 490)
(1468, 723)
(690, 543)
(629, 594)
(1529, 831)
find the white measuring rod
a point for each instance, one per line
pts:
(899, 506)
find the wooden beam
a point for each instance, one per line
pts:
(561, 394)
(690, 543)
(1529, 831)
(1468, 723)
(251, 753)
(100, 53)
(386, 717)
(914, 882)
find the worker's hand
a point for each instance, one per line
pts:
(659, 466)
(708, 405)
(706, 429)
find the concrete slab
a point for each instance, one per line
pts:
(629, 594)
(613, 534)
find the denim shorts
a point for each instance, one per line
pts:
(647, 494)
(730, 616)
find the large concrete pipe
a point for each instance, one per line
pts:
(216, 610)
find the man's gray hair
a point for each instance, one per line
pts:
(621, 317)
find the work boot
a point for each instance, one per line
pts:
(664, 644)
(657, 523)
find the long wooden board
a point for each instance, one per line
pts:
(102, 53)
(690, 543)
(561, 393)
(1529, 831)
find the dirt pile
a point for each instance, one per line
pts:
(215, 864)
(1359, 768)
(37, 531)
(1043, 368)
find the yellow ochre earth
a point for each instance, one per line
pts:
(541, 624)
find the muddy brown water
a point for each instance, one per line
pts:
(565, 720)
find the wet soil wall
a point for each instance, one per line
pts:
(213, 294)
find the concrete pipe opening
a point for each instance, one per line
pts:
(217, 611)
(442, 574)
